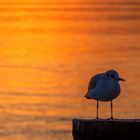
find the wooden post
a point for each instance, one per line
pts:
(106, 128)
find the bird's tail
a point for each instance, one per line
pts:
(86, 96)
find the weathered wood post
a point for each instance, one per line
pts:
(106, 128)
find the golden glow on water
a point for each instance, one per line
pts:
(49, 51)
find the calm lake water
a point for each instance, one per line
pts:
(49, 52)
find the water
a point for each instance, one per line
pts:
(49, 51)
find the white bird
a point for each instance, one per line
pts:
(104, 87)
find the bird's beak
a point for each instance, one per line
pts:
(121, 79)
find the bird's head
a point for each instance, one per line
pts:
(112, 74)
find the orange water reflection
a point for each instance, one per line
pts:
(48, 54)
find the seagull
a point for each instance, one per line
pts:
(104, 87)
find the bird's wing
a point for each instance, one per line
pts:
(92, 83)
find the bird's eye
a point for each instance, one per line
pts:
(112, 76)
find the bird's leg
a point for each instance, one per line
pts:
(111, 109)
(97, 110)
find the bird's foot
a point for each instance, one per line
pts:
(111, 118)
(97, 118)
